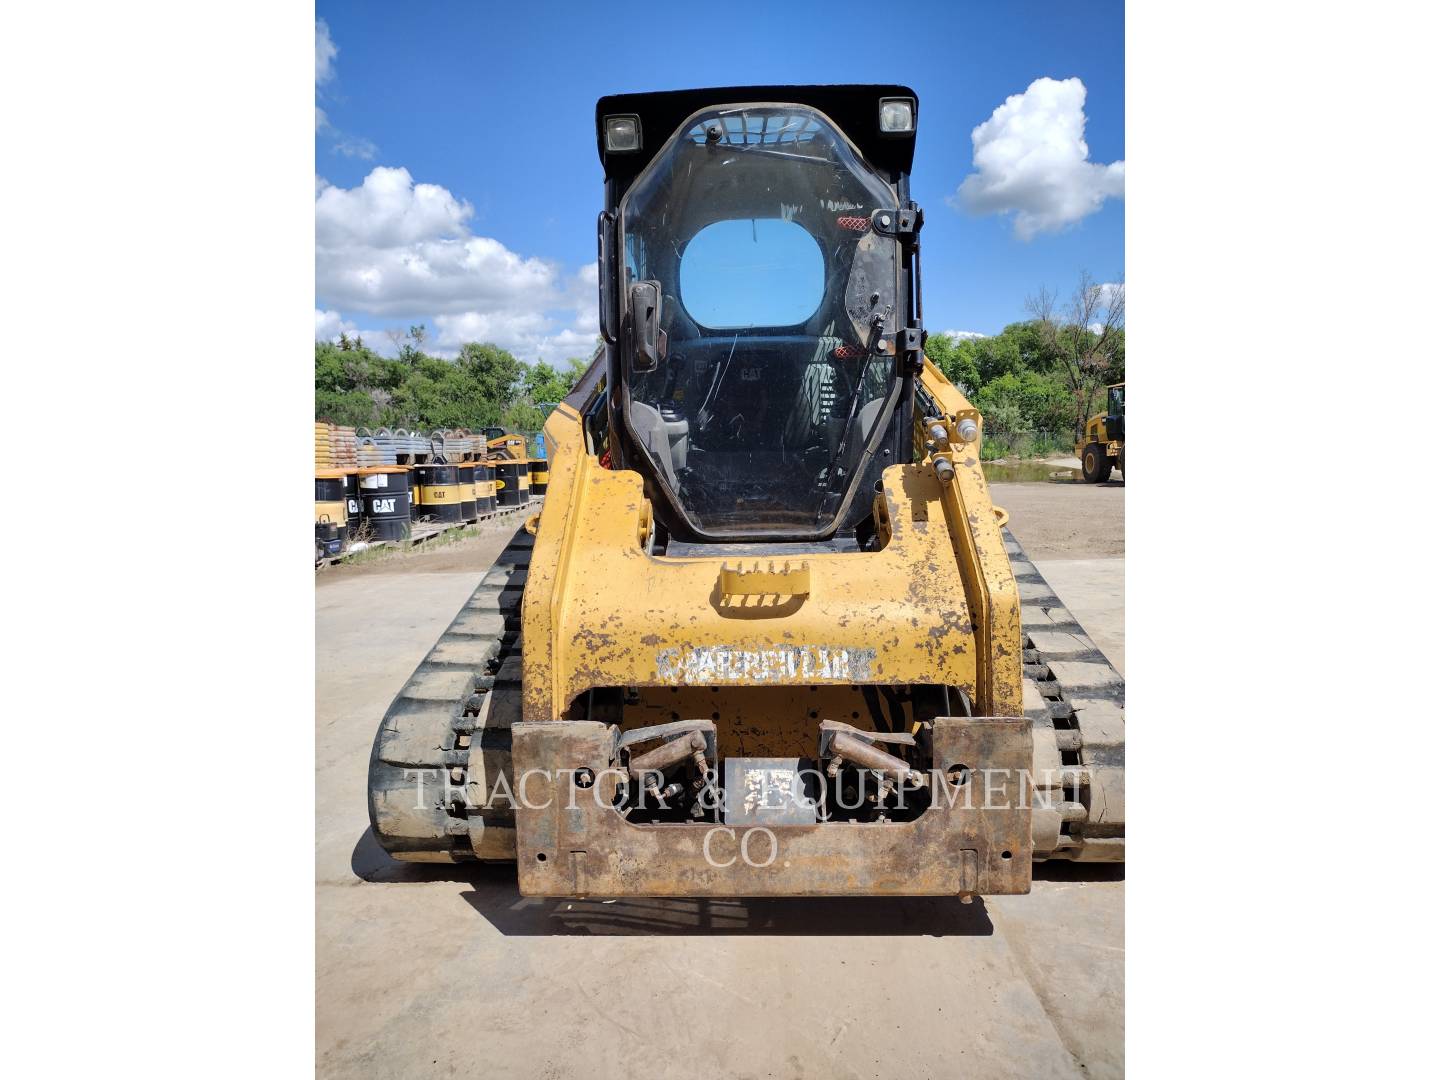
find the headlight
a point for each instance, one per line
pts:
(622, 133)
(897, 116)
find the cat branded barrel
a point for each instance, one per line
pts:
(414, 492)
(439, 491)
(539, 476)
(492, 473)
(329, 499)
(466, 469)
(352, 504)
(485, 487)
(385, 501)
(524, 482)
(507, 484)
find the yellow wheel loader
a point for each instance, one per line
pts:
(769, 635)
(1103, 445)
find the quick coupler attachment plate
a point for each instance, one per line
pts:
(972, 838)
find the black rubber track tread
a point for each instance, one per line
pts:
(1057, 696)
(432, 723)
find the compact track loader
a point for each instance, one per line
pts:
(767, 635)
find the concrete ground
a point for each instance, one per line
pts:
(437, 971)
(1094, 590)
(1074, 533)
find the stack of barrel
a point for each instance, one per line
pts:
(512, 482)
(374, 484)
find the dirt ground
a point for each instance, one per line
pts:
(442, 971)
(1061, 519)
(448, 553)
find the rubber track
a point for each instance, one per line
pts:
(1075, 700)
(451, 721)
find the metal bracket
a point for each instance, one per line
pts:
(900, 224)
(910, 347)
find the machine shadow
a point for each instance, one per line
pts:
(494, 895)
(496, 899)
(1061, 870)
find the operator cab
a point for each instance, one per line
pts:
(1115, 413)
(760, 303)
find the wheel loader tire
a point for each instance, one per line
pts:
(1094, 465)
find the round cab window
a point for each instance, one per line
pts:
(752, 272)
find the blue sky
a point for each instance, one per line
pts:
(488, 234)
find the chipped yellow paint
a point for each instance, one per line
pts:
(975, 522)
(599, 611)
(768, 579)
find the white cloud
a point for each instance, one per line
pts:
(352, 146)
(586, 286)
(455, 330)
(963, 335)
(1108, 291)
(1031, 160)
(387, 210)
(529, 337)
(355, 147)
(395, 248)
(329, 324)
(325, 53)
(567, 343)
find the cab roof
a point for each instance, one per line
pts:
(855, 108)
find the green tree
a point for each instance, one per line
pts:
(575, 369)
(497, 374)
(1085, 338)
(544, 384)
(522, 416)
(955, 357)
(440, 393)
(1024, 401)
